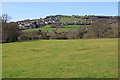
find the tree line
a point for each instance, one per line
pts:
(99, 29)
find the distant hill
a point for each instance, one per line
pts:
(62, 20)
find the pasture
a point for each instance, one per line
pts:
(67, 28)
(76, 26)
(71, 19)
(51, 29)
(88, 58)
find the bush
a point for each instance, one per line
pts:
(31, 35)
(81, 32)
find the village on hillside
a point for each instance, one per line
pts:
(56, 21)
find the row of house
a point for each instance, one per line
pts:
(29, 24)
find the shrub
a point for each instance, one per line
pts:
(31, 35)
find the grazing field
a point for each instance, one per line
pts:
(72, 26)
(71, 19)
(51, 29)
(88, 58)
(67, 27)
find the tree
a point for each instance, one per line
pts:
(81, 32)
(98, 29)
(10, 32)
(0, 32)
(5, 18)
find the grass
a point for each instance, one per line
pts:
(0, 61)
(72, 26)
(92, 58)
(71, 19)
(47, 26)
(68, 27)
(50, 29)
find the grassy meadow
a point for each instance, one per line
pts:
(67, 28)
(88, 58)
(71, 19)
(76, 26)
(51, 29)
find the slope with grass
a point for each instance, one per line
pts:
(76, 26)
(67, 28)
(51, 29)
(71, 19)
(92, 58)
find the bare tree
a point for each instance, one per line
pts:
(5, 18)
(98, 29)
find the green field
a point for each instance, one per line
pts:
(68, 27)
(72, 26)
(51, 29)
(87, 58)
(71, 19)
(47, 26)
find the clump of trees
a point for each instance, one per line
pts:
(101, 29)
(31, 35)
(81, 32)
(10, 31)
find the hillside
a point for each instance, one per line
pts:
(62, 20)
